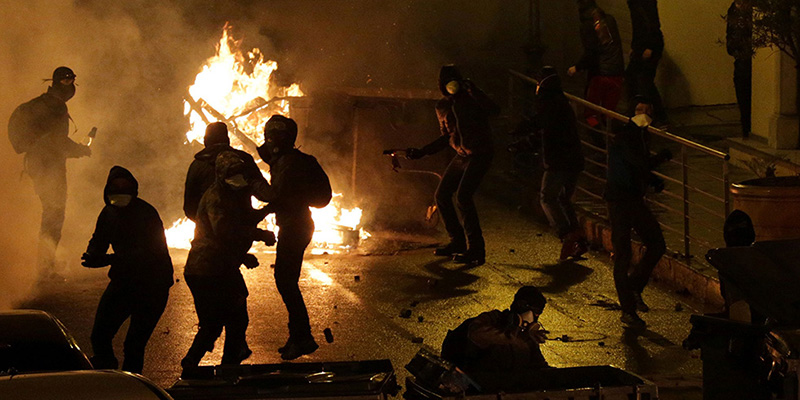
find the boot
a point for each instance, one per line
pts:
(450, 249)
(471, 257)
(630, 319)
(641, 306)
(297, 348)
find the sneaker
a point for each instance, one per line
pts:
(567, 249)
(450, 250)
(296, 349)
(632, 320)
(641, 306)
(244, 354)
(471, 257)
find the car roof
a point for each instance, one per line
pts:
(79, 385)
(34, 340)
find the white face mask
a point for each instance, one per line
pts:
(452, 87)
(236, 182)
(642, 120)
(120, 200)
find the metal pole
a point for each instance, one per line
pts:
(685, 171)
(726, 189)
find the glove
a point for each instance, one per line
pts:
(265, 236)
(250, 261)
(413, 153)
(97, 260)
(536, 333)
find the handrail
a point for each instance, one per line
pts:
(622, 118)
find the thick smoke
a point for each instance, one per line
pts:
(134, 60)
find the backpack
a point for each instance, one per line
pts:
(22, 131)
(454, 346)
(318, 189)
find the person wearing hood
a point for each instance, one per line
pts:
(463, 116)
(500, 349)
(555, 123)
(647, 47)
(629, 177)
(739, 43)
(297, 183)
(140, 274)
(40, 129)
(602, 59)
(226, 229)
(201, 174)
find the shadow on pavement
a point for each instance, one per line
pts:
(451, 281)
(562, 275)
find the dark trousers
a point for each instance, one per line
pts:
(743, 82)
(556, 200)
(50, 184)
(292, 243)
(220, 302)
(119, 302)
(604, 91)
(461, 179)
(640, 77)
(625, 215)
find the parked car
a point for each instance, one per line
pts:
(80, 385)
(34, 341)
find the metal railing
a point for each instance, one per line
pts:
(685, 206)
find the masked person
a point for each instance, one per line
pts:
(298, 182)
(225, 231)
(647, 47)
(554, 120)
(629, 176)
(40, 129)
(463, 116)
(201, 174)
(500, 349)
(140, 273)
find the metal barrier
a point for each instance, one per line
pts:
(711, 199)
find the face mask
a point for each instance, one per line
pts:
(452, 87)
(65, 92)
(236, 182)
(120, 200)
(642, 120)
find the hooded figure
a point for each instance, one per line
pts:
(40, 129)
(554, 121)
(500, 349)
(463, 116)
(225, 231)
(201, 172)
(298, 182)
(647, 47)
(140, 273)
(629, 175)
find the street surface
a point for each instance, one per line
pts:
(360, 297)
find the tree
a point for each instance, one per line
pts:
(776, 24)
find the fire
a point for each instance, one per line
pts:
(237, 88)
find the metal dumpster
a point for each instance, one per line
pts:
(372, 379)
(576, 383)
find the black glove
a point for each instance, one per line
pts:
(250, 261)
(413, 153)
(97, 260)
(265, 236)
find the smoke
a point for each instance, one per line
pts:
(134, 60)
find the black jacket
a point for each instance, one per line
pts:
(201, 175)
(629, 164)
(463, 117)
(555, 122)
(602, 49)
(49, 118)
(136, 234)
(296, 179)
(739, 32)
(226, 226)
(646, 27)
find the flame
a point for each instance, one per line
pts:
(237, 87)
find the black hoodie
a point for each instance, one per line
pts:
(555, 121)
(136, 234)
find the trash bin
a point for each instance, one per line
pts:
(759, 198)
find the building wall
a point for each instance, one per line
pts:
(696, 69)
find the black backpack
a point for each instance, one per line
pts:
(454, 346)
(22, 131)
(318, 188)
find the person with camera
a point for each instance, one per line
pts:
(630, 166)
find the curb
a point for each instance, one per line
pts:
(673, 272)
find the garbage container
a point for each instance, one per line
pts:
(760, 198)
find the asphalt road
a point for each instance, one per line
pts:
(360, 297)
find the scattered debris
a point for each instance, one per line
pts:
(166, 332)
(414, 303)
(272, 266)
(335, 306)
(326, 263)
(678, 307)
(538, 234)
(420, 318)
(416, 339)
(565, 338)
(405, 313)
(601, 344)
(357, 278)
(512, 251)
(328, 335)
(336, 322)
(177, 280)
